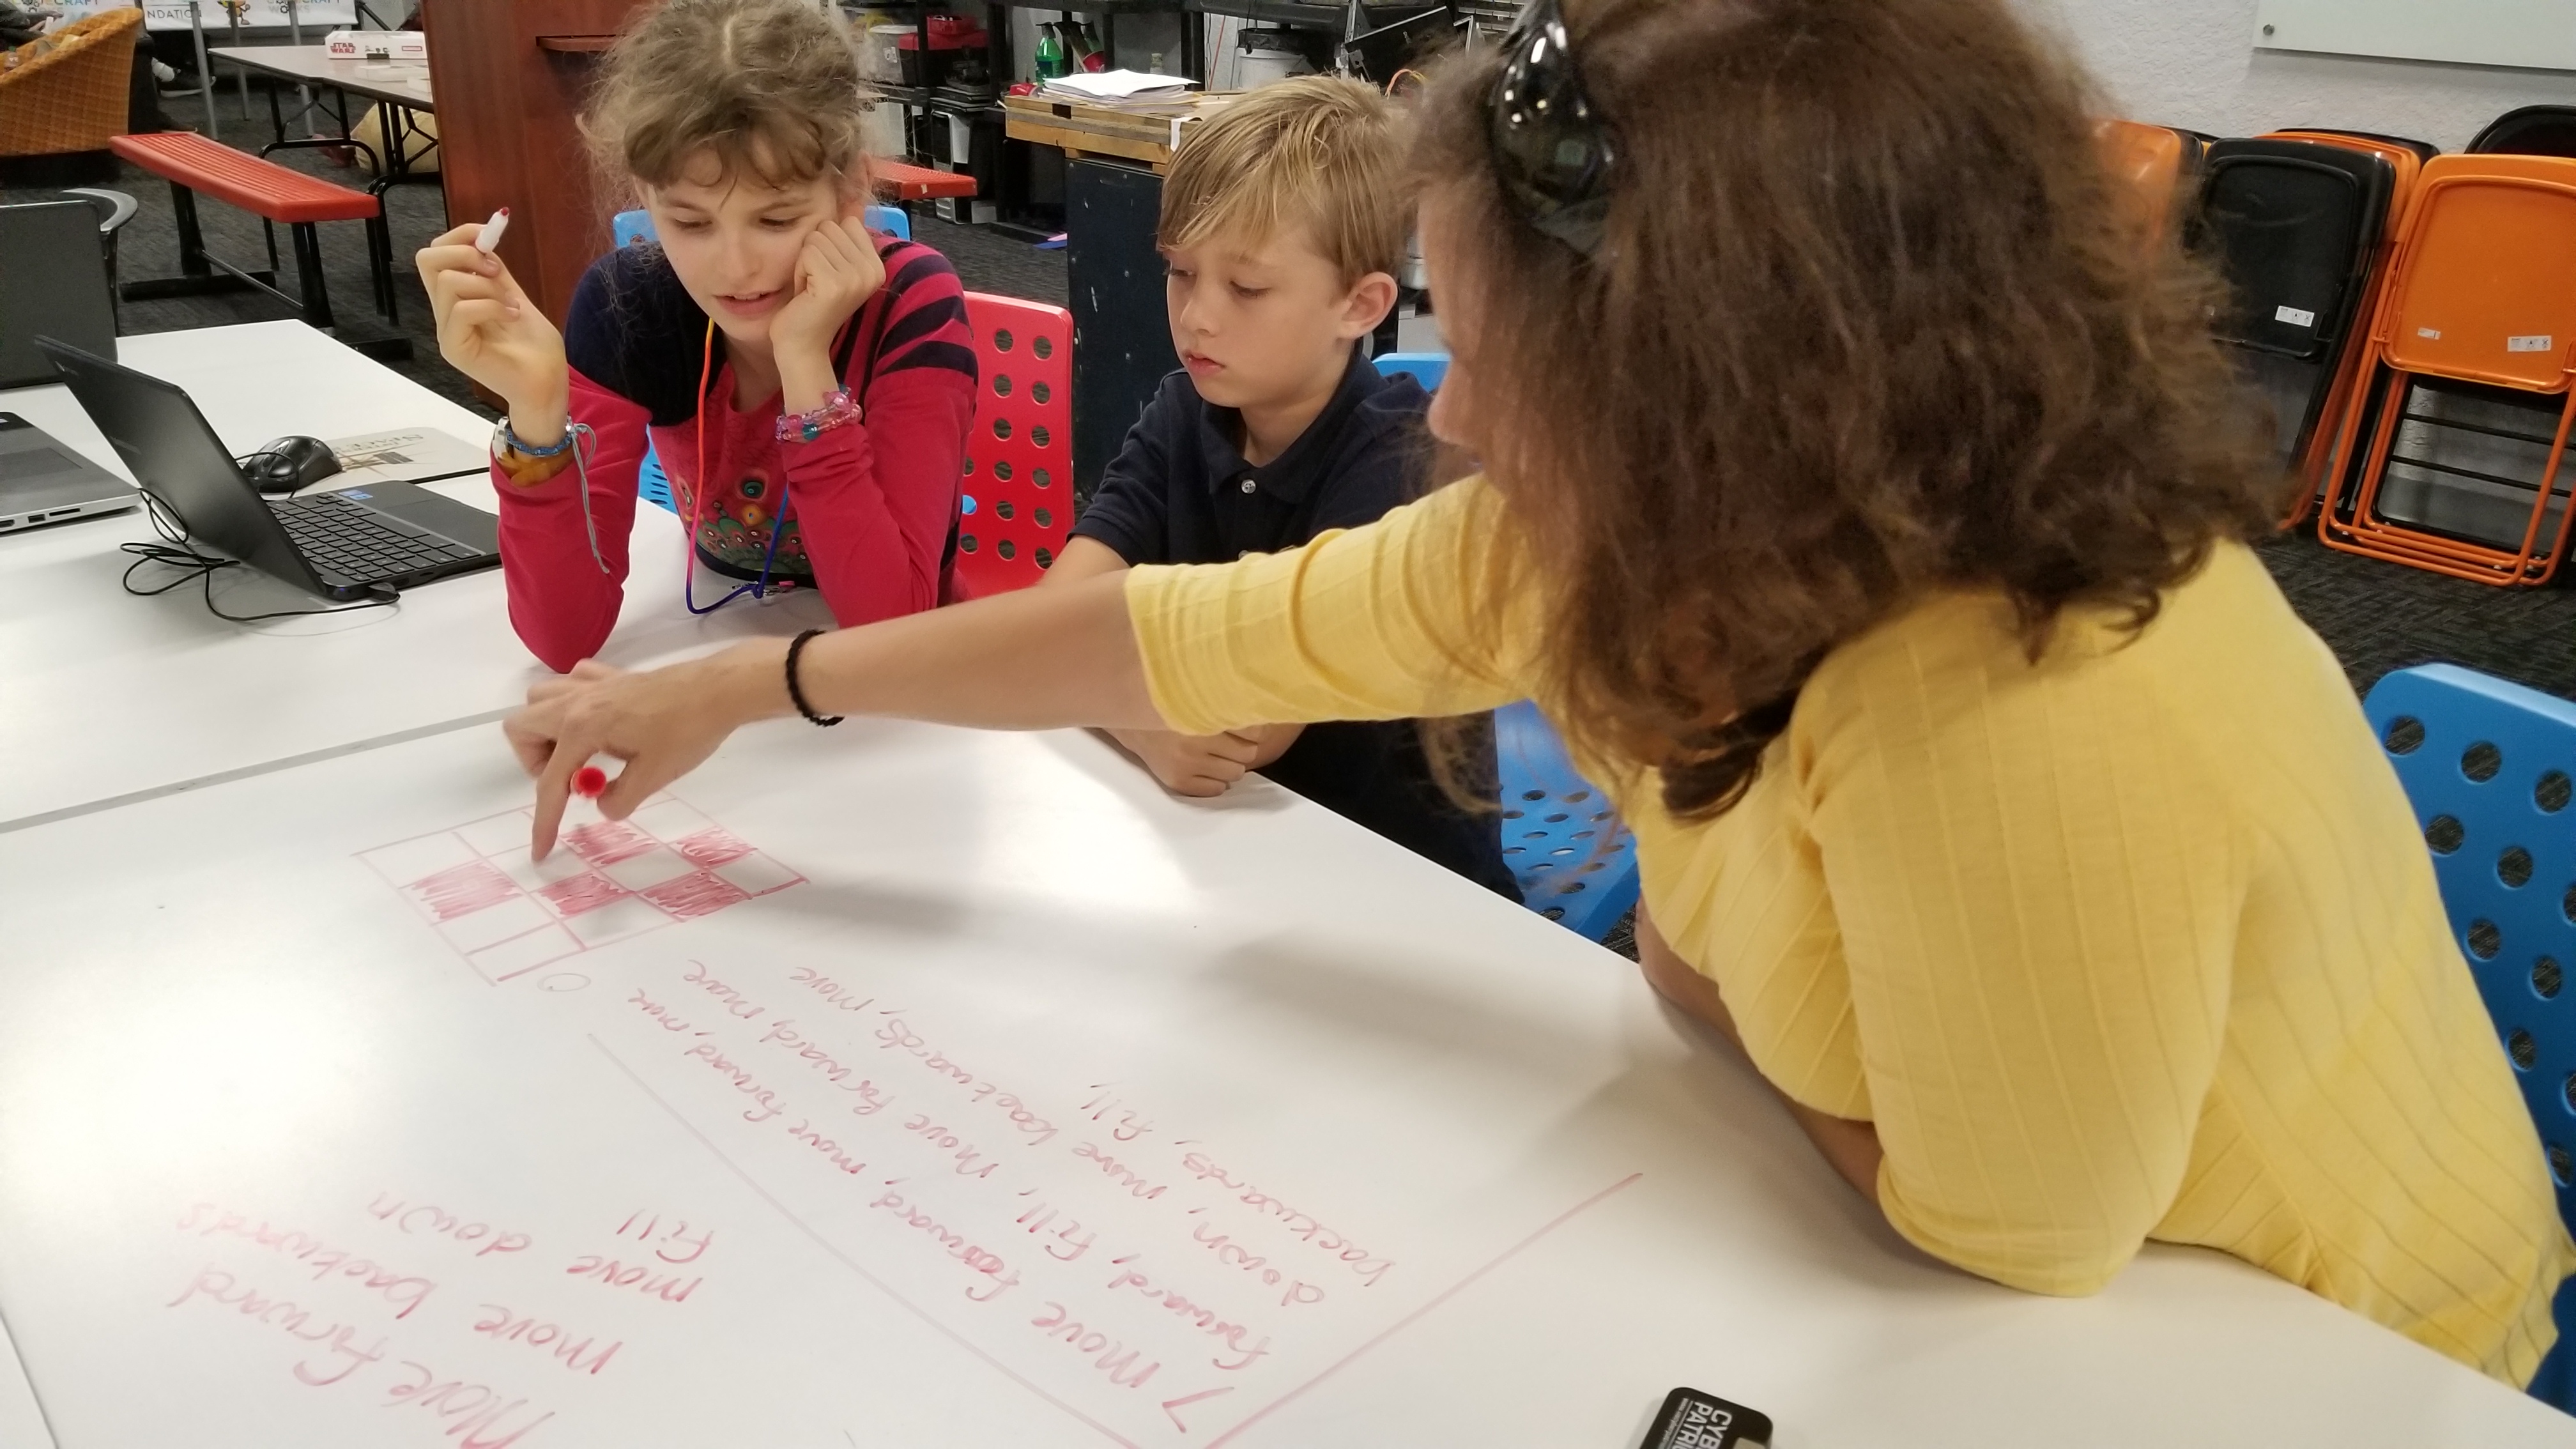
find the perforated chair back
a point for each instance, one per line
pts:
(1576, 864)
(2479, 294)
(2294, 226)
(2490, 767)
(1016, 504)
(2530, 131)
(1555, 822)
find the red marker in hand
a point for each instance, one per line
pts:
(589, 781)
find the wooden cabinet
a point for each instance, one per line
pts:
(511, 77)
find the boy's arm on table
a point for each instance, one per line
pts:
(1199, 765)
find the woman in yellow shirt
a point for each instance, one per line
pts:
(1865, 500)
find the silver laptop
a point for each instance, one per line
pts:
(42, 481)
(53, 283)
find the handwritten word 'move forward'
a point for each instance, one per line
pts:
(983, 1261)
(438, 1222)
(1205, 1320)
(896, 1034)
(743, 1082)
(871, 1098)
(208, 1220)
(219, 1287)
(1299, 1225)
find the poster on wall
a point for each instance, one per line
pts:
(316, 17)
(2530, 34)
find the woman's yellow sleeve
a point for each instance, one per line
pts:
(2039, 891)
(1367, 623)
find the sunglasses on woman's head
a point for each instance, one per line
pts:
(1552, 151)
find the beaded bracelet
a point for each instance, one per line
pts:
(795, 694)
(837, 410)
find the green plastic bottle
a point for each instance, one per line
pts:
(1050, 57)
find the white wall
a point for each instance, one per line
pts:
(2192, 63)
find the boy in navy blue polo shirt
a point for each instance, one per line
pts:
(1282, 224)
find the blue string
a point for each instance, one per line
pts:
(757, 588)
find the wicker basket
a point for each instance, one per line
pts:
(72, 96)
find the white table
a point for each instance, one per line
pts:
(218, 997)
(107, 697)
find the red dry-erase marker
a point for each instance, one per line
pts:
(589, 781)
(490, 236)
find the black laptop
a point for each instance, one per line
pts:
(349, 544)
(53, 283)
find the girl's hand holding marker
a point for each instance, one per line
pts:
(488, 329)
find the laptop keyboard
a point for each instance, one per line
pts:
(344, 537)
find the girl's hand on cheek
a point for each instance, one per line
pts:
(836, 274)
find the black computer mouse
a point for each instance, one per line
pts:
(283, 465)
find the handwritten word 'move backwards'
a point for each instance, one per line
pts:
(207, 1220)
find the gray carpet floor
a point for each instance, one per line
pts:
(2375, 616)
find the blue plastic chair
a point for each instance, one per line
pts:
(1553, 819)
(2490, 768)
(1428, 368)
(1575, 863)
(631, 228)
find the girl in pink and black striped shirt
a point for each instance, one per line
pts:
(806, 383)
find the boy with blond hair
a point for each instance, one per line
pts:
(1283, 221)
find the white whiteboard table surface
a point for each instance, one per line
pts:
(109, 696)
(904, 1087)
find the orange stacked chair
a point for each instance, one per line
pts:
(2482, 292)
(2405, 160)
(2155, 161)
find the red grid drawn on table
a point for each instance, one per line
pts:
(608, 880)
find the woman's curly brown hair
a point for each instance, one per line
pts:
(1872, 321)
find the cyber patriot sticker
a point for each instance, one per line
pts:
(1693, 1420)
(2295, 317)
(2528, 344)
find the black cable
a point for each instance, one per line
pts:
(174, 552)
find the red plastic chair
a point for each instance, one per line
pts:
(1017, 508)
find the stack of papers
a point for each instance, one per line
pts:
(1116, 85)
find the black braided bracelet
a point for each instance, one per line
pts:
(798, 695)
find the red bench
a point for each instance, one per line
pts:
(192, 164)
(898, 181)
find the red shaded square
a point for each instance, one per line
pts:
(461, 890)
(606, 842)
(587, 891)
(695, 894)
(711, 847)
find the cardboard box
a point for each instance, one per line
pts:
(399, 45)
